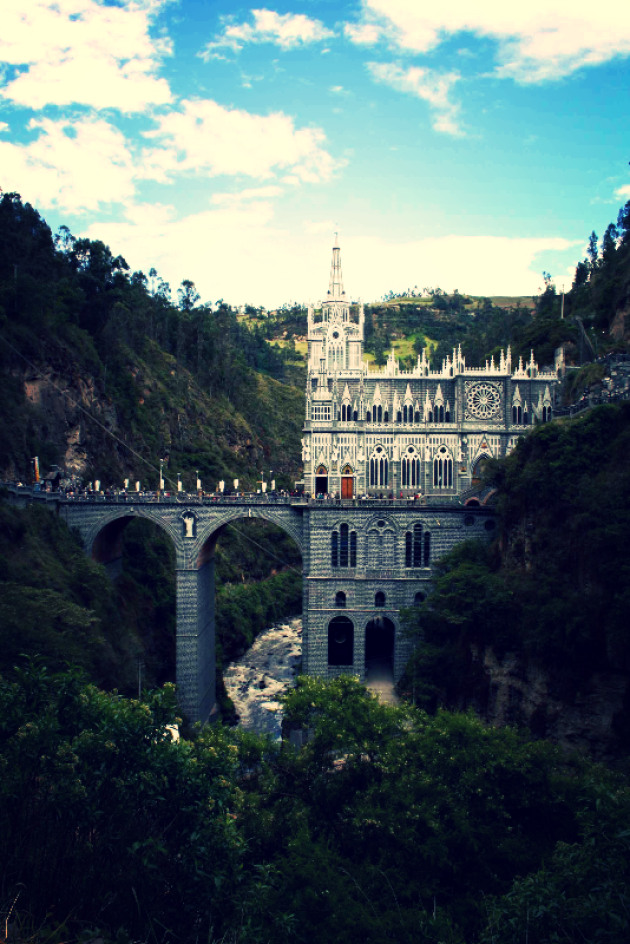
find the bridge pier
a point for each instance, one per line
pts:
(195, 642)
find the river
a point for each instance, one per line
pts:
(267, 670)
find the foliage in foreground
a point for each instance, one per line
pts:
(387, 825)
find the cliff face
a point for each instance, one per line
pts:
(73, 415)
(592, 716)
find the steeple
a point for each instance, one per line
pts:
(335, 286)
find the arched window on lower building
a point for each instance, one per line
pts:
(418, 599)
(413, 546)
(340, 641)
(340, 598)
(417, 545)
(379, 599)
(427, 549)
(343, 547)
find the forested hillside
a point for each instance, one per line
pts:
(91, 351)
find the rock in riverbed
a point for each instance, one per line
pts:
(265, 671)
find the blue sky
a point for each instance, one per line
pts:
(471, 147)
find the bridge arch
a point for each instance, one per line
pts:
(208, 532)
(103, 537)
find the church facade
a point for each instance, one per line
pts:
(403, 433)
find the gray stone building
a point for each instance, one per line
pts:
(392, 432)
(417, 436)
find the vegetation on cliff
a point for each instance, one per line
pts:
(555, 585)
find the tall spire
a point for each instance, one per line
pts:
(335, 287)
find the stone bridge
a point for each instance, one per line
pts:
(362, 563)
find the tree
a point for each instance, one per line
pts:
(581, 274)
(623, 223)
(609, 244)
(188, 295)
(592, 251)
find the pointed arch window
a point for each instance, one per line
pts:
(408, 550)
(334, 549)
(410, 471)
(443, 470)
(379, 470)
(427, 549)
(386, 417)
(353, 548)
(355, 415)
(399, 415)
(379, 414)
(368, 417)
(525, 418)
(417, 417)
(517, 415)
(447, 416)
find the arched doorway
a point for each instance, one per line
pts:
(341, 641)
(321, 480)
(347, 482)
(379, 649)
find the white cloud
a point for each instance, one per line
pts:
(3, 126)
(242, 196)
(206, 138)
(363, 34)
(432, 87)
(72, 165)
(319, 226)
(256, 261)
(538, 41)
(83, 52)
(336, 89)
(623, 192)
(285, 30)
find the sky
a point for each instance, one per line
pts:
(461, 145)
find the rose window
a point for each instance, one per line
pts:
(483, 400)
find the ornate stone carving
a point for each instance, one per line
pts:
(483, 399)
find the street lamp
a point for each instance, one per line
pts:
(161, 485)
